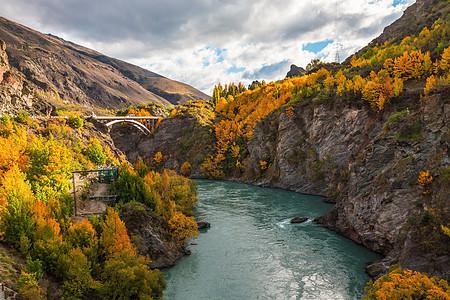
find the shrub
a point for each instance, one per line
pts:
(22, 117)
(186, 169)
(406, 284)
(76, 121)
(95, 152)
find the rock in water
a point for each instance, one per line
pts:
(297, 220)
(203, 224)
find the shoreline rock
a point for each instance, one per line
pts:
(203, 225)
(298, 220)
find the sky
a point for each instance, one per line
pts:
(206, 42)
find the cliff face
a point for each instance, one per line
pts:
(186, 137)
(17, 93)
(369, 164)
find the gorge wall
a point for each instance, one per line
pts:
(368, 163)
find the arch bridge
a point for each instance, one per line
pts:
(144, 124)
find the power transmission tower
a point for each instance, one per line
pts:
(337, 20)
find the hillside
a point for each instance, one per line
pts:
(82, 76)
(422, 13)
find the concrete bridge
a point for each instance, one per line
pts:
(144, 124)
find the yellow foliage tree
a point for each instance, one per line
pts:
(425, 180)
(16, 201)
(445, 60)
(431, 82)
(181, 226)
(13, 151)
(186, 169)
(378, 90)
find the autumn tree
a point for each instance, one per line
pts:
(431, 82)
(114, 238)
(13, 150)
(180, 190)
(425, 180)
(406, 284)
(16, 201)
(50, 166)
(444, 64)
(82, 235)
(127, 276)
(186, 169)
(181, 226)
(380, 88)
(159, 160)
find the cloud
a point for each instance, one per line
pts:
(204, 42)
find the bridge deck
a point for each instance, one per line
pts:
(124, 118)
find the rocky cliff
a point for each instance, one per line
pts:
(368, 163)
(148, 234)
(17, 93)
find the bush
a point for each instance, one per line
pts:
(76, 121)
(95, 152)
(186, 169)
(22, 117)
(406, 284)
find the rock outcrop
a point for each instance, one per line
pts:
(186, 137)
(298, 220)
(295, 71)
(17, 93)
(203, 225)
(146, 229)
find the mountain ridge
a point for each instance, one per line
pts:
(86, 77)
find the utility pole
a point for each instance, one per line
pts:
(74, 193)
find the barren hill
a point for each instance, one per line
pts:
(85, 77)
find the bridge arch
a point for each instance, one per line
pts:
(134, 123)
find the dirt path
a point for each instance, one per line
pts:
(85, 206)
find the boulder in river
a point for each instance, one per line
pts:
(203, 224)
(297, 220)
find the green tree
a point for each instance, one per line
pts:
(94, 151)
(22, 117)
(76, 272)
(76, 121)
(127, 276)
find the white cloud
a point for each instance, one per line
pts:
(181, 39)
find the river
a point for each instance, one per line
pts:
(252, 251)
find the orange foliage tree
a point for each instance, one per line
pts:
(425, 180)
(114, 237)
(406, 284)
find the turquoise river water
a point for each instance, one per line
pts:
(252, 251)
